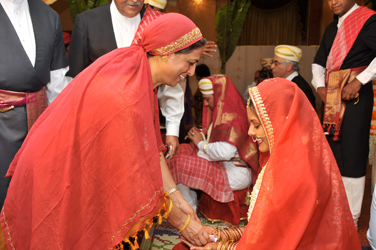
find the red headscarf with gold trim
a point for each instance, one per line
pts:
(89, 169)
(229, 118)
(301, 202)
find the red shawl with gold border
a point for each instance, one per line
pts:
(299, 201)
(88, 174)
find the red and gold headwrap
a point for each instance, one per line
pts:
(298, 200)
(160, 39)
(229, 118)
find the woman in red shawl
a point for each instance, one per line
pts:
(298, 201)
(90, 173)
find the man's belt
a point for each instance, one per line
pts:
(36, 103)
(334, 106)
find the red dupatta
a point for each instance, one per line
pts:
(230, 122)
(299, 201)
(88, 174)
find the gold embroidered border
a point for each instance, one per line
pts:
(263, 115)
(255, 192)
(125, 225)
(8, 231)
(180, 43)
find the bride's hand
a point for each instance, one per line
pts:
(209, 246)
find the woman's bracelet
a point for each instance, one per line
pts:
(205, 148)
(232, 238)
(170, 207)
(186, 224)
(220, 244)
(232, 246)
(169, 192)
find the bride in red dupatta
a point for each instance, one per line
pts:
(298, 201)
(88, 175)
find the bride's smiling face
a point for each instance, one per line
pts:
(257, 131)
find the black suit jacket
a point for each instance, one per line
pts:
(16, 71)
(92, 37)
(304, 86)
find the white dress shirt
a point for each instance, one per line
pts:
(238, 177)
(19, 15)
(318, 72)
(171, 99)
(292, 76)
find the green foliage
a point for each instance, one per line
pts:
(229, 23)
(78, 6)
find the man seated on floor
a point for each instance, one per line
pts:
(222, 157)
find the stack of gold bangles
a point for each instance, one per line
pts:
(230, 237)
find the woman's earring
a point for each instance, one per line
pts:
(255, 138)
(164, 58)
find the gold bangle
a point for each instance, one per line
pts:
(225, 245)
(169, 192)
(205, 148)
(220, 245)
(231, 234)
(170, 207)
(232, 246)
(186, 224)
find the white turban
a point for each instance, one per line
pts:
(157, 3)
(206, 86)
(288, 52)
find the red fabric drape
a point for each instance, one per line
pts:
(89, 168)
(346, 36)
(302, 202)
(230, 122)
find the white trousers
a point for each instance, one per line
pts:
(354, 191)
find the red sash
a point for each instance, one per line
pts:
(343, 42)
(148, 16)
(346, 36)
(36, 103)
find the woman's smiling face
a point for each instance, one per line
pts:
(256, 130)
(180, 65)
